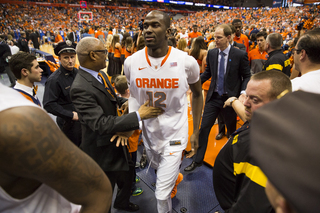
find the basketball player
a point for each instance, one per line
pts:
(162, 75)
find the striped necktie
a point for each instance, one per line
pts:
(35, 89)
(105, 84)
(109, 90)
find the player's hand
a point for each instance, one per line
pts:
(122, 138)
(194, 140)
(124, 108)
(146, 111)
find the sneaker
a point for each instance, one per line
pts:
(137, 165)
(174, 190)
(137, 179)
(143, 161)
(137, 191)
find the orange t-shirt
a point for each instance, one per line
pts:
(91, 31)
(117, 53)
(193, 35)
(126, 53)
(133, 141)
(243, 39)
(58, 38)
(99, 33)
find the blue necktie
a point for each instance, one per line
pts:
(221, 75)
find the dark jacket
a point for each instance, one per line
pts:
(278, 61)
(97, 111)
(237, 72)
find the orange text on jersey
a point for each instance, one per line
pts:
(164, 83)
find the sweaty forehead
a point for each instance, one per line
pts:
(154, 15)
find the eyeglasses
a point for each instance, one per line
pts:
(294, 50)
(104, 51)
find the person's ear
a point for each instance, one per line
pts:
(24, 72)
(303, 55)
(168, 32)
(93, 55)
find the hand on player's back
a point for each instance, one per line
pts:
(147, 112)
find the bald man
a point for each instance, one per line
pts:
(97, 107)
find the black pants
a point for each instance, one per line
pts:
(211, 111)
(72, 129)
(123, 179)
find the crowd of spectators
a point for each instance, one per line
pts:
(25, 17)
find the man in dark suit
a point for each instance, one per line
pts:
(221, 121)
(97, 107)
(72, 35)
(230, 72)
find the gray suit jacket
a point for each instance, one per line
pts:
(97, 111)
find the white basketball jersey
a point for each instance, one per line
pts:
(44, 199)
(164, 85)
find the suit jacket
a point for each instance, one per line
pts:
(71, 38)
(237, 73)
(97, 111)
(240, 46)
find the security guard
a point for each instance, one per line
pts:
(276, 60)
(56, 99)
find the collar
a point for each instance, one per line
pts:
(226, 51)
(66, 72)
(25, 88)
(163, 61)
(274, 52)
(91, 72)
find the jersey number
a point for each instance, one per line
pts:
(160, 96)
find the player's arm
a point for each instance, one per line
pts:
(33, 147)
(197, 104)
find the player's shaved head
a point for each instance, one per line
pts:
(165, 17)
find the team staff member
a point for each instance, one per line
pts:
(277, 60)
(27, 71)
(162, 75)
(221, 122)
(95, 100)
(56, 98)
(238, 182)
(228, 68)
